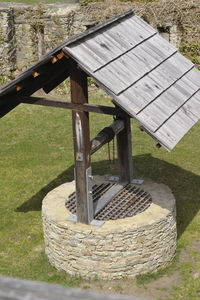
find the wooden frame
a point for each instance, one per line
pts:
(124, 149)
(100, 109)
(81, 136)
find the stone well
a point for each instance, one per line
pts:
(124, 247)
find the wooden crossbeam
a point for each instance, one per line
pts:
(101, 109)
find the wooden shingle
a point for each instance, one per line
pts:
(143, 73)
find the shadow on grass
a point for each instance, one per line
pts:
(184, 185)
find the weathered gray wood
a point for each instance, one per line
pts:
(157, 112)
(140, 70)
(102, 47)
(106, 135)
(142, 24)
(100, 109)
(81, 134)
(124, 71)
(124, 149)
(99, 27)
(178, 125)
(134, 31)
(192, 106)
(18, 289)
(142, 93)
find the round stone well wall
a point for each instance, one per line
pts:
(119, 248)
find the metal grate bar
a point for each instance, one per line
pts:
(97, 192)
(127, 202)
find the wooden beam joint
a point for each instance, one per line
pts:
(86, 107)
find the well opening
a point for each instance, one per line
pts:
(126, 246)
(128, 202)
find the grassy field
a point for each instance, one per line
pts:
(36, 155)
(36, 1)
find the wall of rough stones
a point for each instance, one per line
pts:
(119, 248)
(27, 32)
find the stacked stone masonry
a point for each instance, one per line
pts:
(27, 32)
(124, 247)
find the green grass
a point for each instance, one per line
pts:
(36, 1)
(36, 155)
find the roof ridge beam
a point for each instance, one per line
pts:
(99, 26)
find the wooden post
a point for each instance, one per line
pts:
(81, 136)
(124, 149)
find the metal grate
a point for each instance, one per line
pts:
(128, 202)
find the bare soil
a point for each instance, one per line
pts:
(158, 289)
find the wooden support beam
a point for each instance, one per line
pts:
(100, 109)
(81, 135)
(124, 148)
(106, 135)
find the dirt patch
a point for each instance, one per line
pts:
(158, 289)
(196, 246)
(186, 257)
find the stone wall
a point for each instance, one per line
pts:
(27, 32)
(7, 41)
(119, 248)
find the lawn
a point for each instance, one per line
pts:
(36, 155)
(36, 1)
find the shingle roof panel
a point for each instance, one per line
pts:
(150, 81)
(163, 107)
(141, 71)
(100, 48)
(126, 70)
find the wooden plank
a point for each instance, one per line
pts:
(101, 26)
(7, 107)
(159, 47)
(171, 70)
(81, 134)
(85, 56)
(110, 43)
(193, 105)
(56, 81)
(173, 130)
(143, 24)
(126, 70)
(158, 111)
(124, 149)
(194, 76)
(143, 92)
(41, 67)
(30, 84)
(20, 289)
(100, 109)
(28, 73)
(134, 31)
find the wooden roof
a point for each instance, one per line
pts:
(144, 74)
